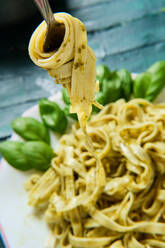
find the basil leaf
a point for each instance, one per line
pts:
(141, 84)
(157, 68)
(155, 87)
(99, 97)
(157, 71)
(65, 96)
(148, 85)
(126, 83)
(52, 115)
(102, 72)
(38, 154)
(30, 129)
(111, 89)
(66, 111)
(95, 110)
(12, 152)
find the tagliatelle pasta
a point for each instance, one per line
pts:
(126, 208)
(73, 65)
(106, 186)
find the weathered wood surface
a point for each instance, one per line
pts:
(123, 33)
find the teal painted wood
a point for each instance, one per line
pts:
(123, 33)
(144, 31)
(106, 14)
(23, 86)
(78, 4)
(137, 60)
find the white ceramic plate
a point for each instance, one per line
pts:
(18, 226)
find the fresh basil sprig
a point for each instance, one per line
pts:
(149, 84)
(30, 129)
(26, 156)
(113, 85)
(52, 115)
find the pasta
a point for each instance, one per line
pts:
(73, 65)
(121, 202)
(106, 186)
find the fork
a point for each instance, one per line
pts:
(55, 30)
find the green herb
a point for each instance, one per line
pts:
(39, 154)
(67, 102)
(149, 84)
(126, 83)
(99, 97)
(65, 96)
(12, 152)
(53, 116)
(30, 129)
(66, 111)
(111, 89)
(141, 84)
(102, 72)
(26, 156)
(113, 85)
(95, 110)
(158, 80)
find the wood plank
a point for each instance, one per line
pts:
(22, 81)
(76, 4)
(137, 60)
(145, 31)
(107, 14)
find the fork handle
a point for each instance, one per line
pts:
(45, 10)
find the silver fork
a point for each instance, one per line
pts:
(55, 30)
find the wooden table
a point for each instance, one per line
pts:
(123, 33)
